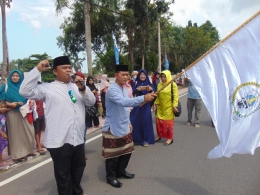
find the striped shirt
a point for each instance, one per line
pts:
(65, 120)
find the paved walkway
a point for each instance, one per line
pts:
(7, 158)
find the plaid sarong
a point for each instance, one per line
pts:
(116, 146)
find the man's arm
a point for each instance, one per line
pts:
(28, 88)
(88, 97)
(115, 96)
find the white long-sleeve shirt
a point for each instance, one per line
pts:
(65, 120)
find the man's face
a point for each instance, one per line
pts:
(62, 73)
(121, 77)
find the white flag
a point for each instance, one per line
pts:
(228, 79)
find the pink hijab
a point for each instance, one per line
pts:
(129, 89)
(104, 83)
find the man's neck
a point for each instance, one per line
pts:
(121, 85)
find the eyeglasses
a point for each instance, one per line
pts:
(73, 98)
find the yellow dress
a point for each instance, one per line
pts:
(164, 101)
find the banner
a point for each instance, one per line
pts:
(166, 62)
(115, 50)
(228, 80)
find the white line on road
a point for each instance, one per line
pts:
(44, 162)
(36, 166)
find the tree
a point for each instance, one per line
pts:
(60, 4)
(108, 62)
(207, 27)
(5, 64)
(27, 64)
(145, 14)
(89, 7)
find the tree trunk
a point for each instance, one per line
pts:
(131, 46)
(4, 42)
(143, 54)
(88, 37)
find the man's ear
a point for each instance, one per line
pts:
(55, 72)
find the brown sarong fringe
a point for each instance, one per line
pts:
(116, 146)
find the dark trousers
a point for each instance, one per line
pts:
(69, 164)
(103, 101)
(94, 119)
(116, 166)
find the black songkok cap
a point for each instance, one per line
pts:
(62, 60)
(121, 67)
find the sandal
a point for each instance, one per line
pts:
(4, 165)
(32, 154)
(43, 146)
(158, 139)
(42, 152)
(20, 159)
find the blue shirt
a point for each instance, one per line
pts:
(117, 110)
(192, 91)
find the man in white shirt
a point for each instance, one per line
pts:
(65, 120)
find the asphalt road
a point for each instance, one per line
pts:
(179, 169)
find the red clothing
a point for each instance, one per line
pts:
(39, 107)
(30, 118)
(165, 128)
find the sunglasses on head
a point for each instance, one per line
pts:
(72, 97)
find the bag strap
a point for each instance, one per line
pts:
(171, 93)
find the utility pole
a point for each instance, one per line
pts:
(5, 64)
(159, 45)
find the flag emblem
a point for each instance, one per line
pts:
(245, 100)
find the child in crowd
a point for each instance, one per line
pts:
(3, 136)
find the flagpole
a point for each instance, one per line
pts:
(159, 45)
(223, 40)
(210, 50)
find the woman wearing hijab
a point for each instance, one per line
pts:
(92, 87)
(156, 80)
(20, 131)
(166, 107)
(103, 89)
(141, 117)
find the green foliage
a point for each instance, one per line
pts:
(136, 32)
(108, 63)
(103, 23)
(208, 28)
(27, 64)
(146, 15)
(151, 62)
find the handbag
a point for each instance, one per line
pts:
(91, 111)
(177, 114)
(23, 110)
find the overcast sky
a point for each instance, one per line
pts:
(33, 25)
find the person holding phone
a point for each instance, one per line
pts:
(65, 120)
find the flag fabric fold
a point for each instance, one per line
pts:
(115, 50)
(228, 80)
(166, 62)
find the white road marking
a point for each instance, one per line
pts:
(45, 162)
(37, 166)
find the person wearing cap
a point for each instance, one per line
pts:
(117, 137)
(65, 120)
